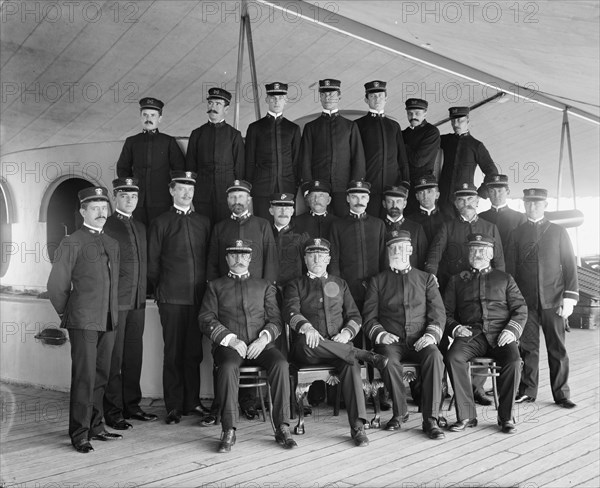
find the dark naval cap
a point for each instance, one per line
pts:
(185, 177)
(219, 94)
(424, 182)
(329, 84)
(240, 185)
(358, 186)
(316, 185)
(535, 194)
(375, 87)
(465, 190)
(419, 103)
(317, 245)
(458, 112)
(153, 103)
(399, 190)
(239, 246)
(397, 236)
(282, 200)
(477, 239)
(276, 88)
(125, 184)
(93, 193)
(492, 181)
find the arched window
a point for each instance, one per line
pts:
(7, 217)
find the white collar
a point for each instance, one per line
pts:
(331, 112)
(97, 229)
(373, 111)
(183, 209)
(535, 221)
(399, 219)
(500, 206)
(274, 115)
(124, 214)
(313, 276)
(429, 211)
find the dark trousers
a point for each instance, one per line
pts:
(147, 214)
(260, 207)
(123, 393)
(375, 207)
(339, 204)
(227, 366)
(507, 357)
(343, 358)
(432, 369)
(216, 209)
(182, 356)
(90, 363)
(553, 327)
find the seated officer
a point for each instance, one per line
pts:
(240, 316)
(404, 316)
(485, 313)
(322, 313)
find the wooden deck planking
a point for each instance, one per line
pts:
(553, 447)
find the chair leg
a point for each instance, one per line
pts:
(299, 429)
(259, 390)
(270, 400)
(338, 400)
(494, 371)
(376, 421)
(292, 397)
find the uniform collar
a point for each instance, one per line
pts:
(500, 207)
(483, 271)
(241, 218)
(358, 216)
(538, 221)
(92, 230)
(400, 220)
(424, 211)
(239, 277)
(220, 123)
(375, 113)
(274, 115)
(122, 215)
(324, 214)
(473, 220)
(181, 210)
(146, 131)
(330, 113)
(401, 271)
(280, 229)
(418, 126)
(313, 276)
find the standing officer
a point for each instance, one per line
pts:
(317, 221)
(541, 258)
(331, 148)
(404, 318)
(216, 153)
(485, 315)
(290, 243)
(428, 213)
(504, 217)
(272, 148)
(150, 157)
(385, 156)
(462, 154)
(241, 317)
(324, 319)
(177, 249)
(83, 289)
(422, 141)
(241, 224)
(357, 243)
(123, 393)
(394, 202)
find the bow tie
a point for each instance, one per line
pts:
(153, 131)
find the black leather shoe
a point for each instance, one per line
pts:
(482, 400)
(507, 426)
(524, 399)
(250, 413)
(83, 447)
(307, 410)
(462, 425)
(120, 424)
(143, 416)
(565, 403)
(200, 410)
(173, 417)
(359, 435)
(227, 440)
(284, 437)
(208, 420)
(376, 360)
(393, 424)
(106, 436)
(430, 427)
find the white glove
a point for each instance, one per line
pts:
(567, 307)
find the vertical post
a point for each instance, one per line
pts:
(565, 122)
(240, 67)
(572, 170)
(252, 67)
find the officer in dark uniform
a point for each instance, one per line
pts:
(177, 250)
(357, 243)
(150, 157)
(272, 149)
(462, 154)
(385, 156)
(241, 317)
(290, 243)
(123, 393)
(448, 252)
(404, 318)
(505, 218)
(541, 258)
(83, 289)
(241, 224)
(394, 202)
(324, 319)
(422, 142)
(331, 148)
(485, 314)
(216, 153)
(428, 213)
(317, 221)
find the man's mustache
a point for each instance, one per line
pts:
(211, 112)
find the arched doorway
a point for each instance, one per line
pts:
(62, 213)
